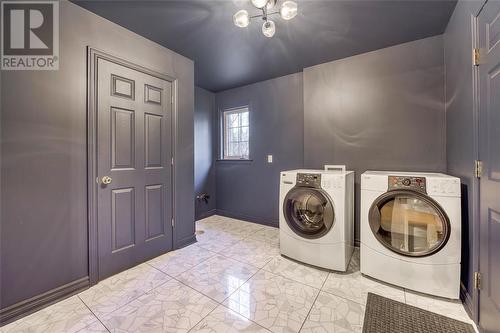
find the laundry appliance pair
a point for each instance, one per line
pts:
(410, 225)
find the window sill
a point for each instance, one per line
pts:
(234, 160)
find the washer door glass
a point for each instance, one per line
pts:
(409, 223)
(308, 212)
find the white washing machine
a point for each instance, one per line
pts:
(316, 217)
(411, 230)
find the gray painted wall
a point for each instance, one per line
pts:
(205, 150)
(461, 133)
(250, 189)
(43, 162)
(382, 110)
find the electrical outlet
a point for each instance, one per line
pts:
(269, 158)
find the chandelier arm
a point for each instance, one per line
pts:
(260, 15)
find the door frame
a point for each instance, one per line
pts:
(476, 216)
(93, 55)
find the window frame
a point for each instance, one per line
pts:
(224, 134)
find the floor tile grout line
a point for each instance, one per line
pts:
(310, 309)
(159, 269)
(138, 296)
(204, 261)
(239, 241)
(222, 254)
(294, 280)
(229, 228)
(208, 314)
(131, 300)
(364, 304)
(201, 248)
(346, 298)
(280, 276)
(258, 270)
(235, 243)
(197, 291)
(267, 262)
(171, 278)
(194, 289)
(250, 234)
(98, 319)
(312, 306)
(218, 303)
(341, 296)
(242, 238)
(222, 303)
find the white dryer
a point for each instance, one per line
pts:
(411, 230)
(316, 217)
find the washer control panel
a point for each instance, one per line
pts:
(309, 179)
(445, 187)
(407, 183)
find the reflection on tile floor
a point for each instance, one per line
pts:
(277, 303)
(223, 319)
(218, 277)
(232, 280)
(172, 307)
(296, 271)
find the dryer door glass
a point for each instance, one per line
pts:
(308, 212)
(409, 223)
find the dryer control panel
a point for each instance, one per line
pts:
(407, 183)
(309, 179)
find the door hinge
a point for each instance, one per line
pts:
(478, 169)
(173, 223)
(172, 161)
(477, 280)
(475, 57)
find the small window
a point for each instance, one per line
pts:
(236, 134)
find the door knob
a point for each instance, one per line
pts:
(106, 180)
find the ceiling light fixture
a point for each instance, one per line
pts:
(259, 3)
(269, 28)
(288, 11)
(241, 19)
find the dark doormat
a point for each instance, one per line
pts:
(383, 315)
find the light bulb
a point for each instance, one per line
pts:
(241, 19)
(259, 3)
(270, 4)
(288, 10)
(268, 29)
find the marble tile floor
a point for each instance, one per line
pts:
(233, 279)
